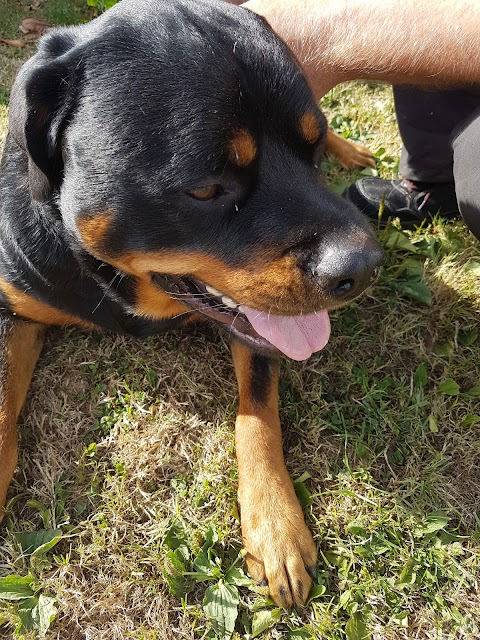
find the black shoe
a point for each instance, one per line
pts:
(411, 202)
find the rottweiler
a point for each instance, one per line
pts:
(160, 168)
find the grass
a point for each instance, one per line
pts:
(121, 440)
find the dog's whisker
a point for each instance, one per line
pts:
(107, 288)
(184, 313)
(189, 295)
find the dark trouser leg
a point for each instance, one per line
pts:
(426, 120)
(466, 170)
(437, 127)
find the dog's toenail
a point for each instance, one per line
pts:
(312, 572)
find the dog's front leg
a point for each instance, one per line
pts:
(20, 346)
(280, 548)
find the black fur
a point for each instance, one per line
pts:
(128, 114)
(261, 378)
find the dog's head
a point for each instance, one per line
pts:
(180, 142)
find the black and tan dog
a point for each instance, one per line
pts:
(162, 159)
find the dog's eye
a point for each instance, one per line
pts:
(206, 193)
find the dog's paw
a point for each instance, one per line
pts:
(354, 155)
(280, 549)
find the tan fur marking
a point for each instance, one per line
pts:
(155, 304)
(20, 353)
(310, 128)
(28, 307)
(243, 148)
(267, 283)
(273, 528)
(94, 228)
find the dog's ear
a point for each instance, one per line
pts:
(42, 102)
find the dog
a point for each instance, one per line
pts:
(160, 168)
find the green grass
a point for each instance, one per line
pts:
(121, 440)
(55, 12)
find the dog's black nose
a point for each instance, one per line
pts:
(343, 269)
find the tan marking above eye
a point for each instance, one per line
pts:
(205, 193)
(310, 128)
(242, 148)
(94, 228)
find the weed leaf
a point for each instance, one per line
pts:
(221, 607)
(176, 559)
(473, 268)
(337, 560)
(38, 542)
(174, 572)
(316, 591)
(46, 517)
(303, 494)
(204, 563)
(176, 536)
(345, 598)
(401, 619)
(413, 269)
(420, 376)
(44, 613)
(299, 634)
(236, 575)
(408, 575)
(263, 620)
(25, 614)
(356, 530)
(474, 392)
(398, 240)
(36, 613)
(211, 537)
(468, 336)
(15, 587)
(417, 291)
(449, 387)
(356, 629)
(428, 246)
(434, 522)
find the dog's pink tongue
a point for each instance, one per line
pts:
(295, 336)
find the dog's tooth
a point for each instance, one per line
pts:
(228, 302)
(213, 291)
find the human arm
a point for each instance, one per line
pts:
(398, 41)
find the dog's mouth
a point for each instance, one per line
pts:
(295, 336)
